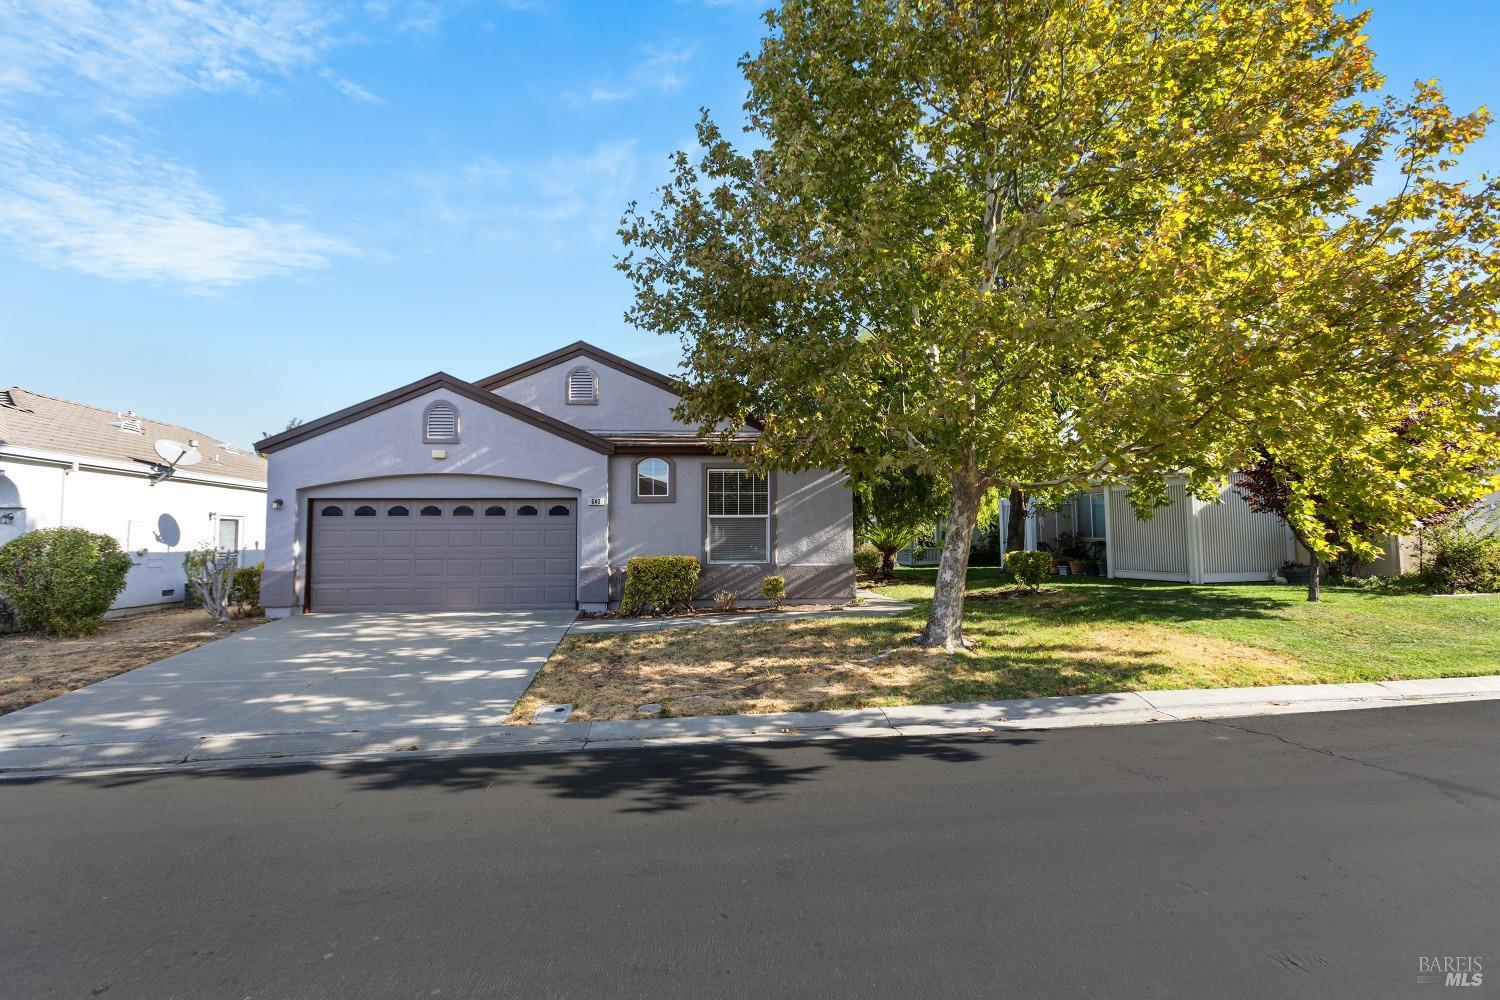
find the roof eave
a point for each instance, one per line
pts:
(421, 387)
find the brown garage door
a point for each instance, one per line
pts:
(443, 555)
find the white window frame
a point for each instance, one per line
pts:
(708, 519)
(239, 533)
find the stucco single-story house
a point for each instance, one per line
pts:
(66, 464)
(532, 488)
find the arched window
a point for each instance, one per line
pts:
(653, 479)
(494, 510)
(398, 511)
(526, 510)
(557, 510)
(333, 511)
(463, 510)
(440, 423)
(364, 510)
(432, 511)
(583, 386)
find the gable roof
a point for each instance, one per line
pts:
(437, 380)
(34, 420)
(580, 349)
(583, 349)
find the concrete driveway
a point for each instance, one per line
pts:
(308, 684)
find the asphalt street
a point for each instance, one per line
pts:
(1316, 855)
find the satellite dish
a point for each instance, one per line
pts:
(176, 455)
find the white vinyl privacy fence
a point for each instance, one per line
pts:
(1195, 541)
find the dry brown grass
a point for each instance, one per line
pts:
(34, 668)
(849, 663)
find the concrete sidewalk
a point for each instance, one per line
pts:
(1127, 708)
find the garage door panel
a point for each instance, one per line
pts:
(445, 559)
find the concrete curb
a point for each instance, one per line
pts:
(1125, 708)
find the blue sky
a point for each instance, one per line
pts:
(230, 213)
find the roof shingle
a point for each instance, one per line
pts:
(33, 420)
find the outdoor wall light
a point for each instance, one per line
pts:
(275, 504)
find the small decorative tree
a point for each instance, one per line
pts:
(210, 576)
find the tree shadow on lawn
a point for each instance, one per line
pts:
(646, 780)
(1126, 601)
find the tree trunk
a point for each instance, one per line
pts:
(887, 565)
(1015, 527)
(945, 621)
(1315, 581)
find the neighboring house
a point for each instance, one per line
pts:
(65, 464)
(1189, 541)
(531, 489)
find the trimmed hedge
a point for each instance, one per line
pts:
(867, 560)
(244, 592)
(773, 589)
(62, 580)
(654, 584)
(1029, 568)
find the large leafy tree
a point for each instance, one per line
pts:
(1040, 244)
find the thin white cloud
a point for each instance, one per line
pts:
(558, 199)
(662, 70)
(132, 49)
(348, 87)
(118, 213)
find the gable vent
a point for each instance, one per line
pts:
(441, 422)
(583, 386)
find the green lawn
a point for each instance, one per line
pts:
(1078, 636)
(1351, 634)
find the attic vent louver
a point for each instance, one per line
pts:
(583, 386)
(440, 423)
(128, 422)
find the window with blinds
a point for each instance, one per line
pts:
(739, 517)
(440, 423)
(583, 386)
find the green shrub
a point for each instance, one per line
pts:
(867, 560)
(1465, 559)
(62, 579)
(1029, 568)
(244, 592)
(773, 589)
(654, 584)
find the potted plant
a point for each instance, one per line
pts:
(1075, 550)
